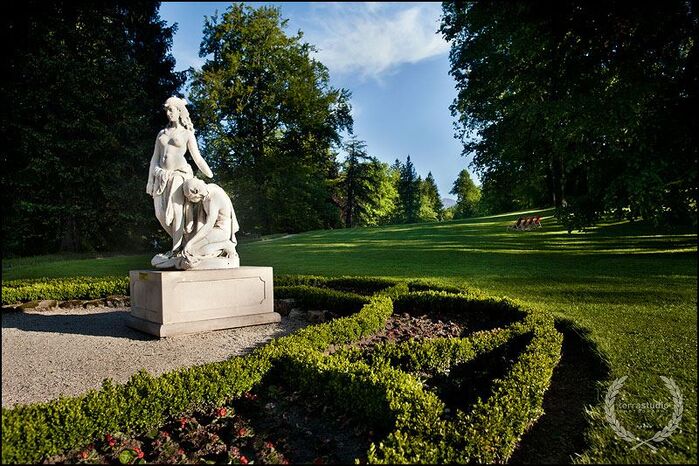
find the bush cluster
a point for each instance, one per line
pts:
(378, 388)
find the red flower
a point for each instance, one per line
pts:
(83, 455)
(243, 460)
(269, 445)
(235, 451)
(242, 432)
(138, 452)
(164, 434)
(220, 412)
(183, 422)
(110, 440)
(180, 452)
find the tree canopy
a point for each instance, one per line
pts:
(589, 107)
(83, 96)
(269, 120)
(468, 196)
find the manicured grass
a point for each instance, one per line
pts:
(632, 285)
(72, 265)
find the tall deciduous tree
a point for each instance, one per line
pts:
(590, 106)
(468, 196)
(83, 97)
(269, 119)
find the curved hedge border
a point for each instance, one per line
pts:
(383, 394)
(342, 302)
(353, 382)
(31, 432)
(490, 431)
(18, 291)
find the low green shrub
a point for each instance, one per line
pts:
(489, 434)
(362, 285)
(31, 432)
(476, 309)
(307, 296)
(293, 280)
(433, 285)
(382, 396)
(18, 291)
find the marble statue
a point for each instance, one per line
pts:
(167, 173)
(210, 227)
(208, 289)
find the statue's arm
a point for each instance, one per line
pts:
(214, 208)
(153, 163)
(198, 159)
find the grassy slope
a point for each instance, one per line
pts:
(632, 285)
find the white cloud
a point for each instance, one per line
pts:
(373, 39)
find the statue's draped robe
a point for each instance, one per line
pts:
(163, 187)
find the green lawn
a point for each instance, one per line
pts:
(632, 285)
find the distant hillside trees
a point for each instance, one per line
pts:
(418, 200)
(591, 108)
(468, 197)
(82, 92)
(270, 122)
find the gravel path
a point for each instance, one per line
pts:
(69, 351)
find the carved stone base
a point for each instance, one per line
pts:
(167, 303)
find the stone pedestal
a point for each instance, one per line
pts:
(176, 302)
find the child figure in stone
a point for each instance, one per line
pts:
(210, 227)
(169, 170)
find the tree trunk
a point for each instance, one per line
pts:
(69, 240)
(557, 181)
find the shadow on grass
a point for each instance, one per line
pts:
(558, 435)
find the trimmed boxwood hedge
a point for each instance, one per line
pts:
(490, 431)
(19, 291)
(377, 389)
(31, 432)
(342, 302)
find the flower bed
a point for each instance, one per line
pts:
(392, 388)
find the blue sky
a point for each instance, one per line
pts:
(387, 54)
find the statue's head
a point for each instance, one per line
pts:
(194, 189)
(176, 109)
